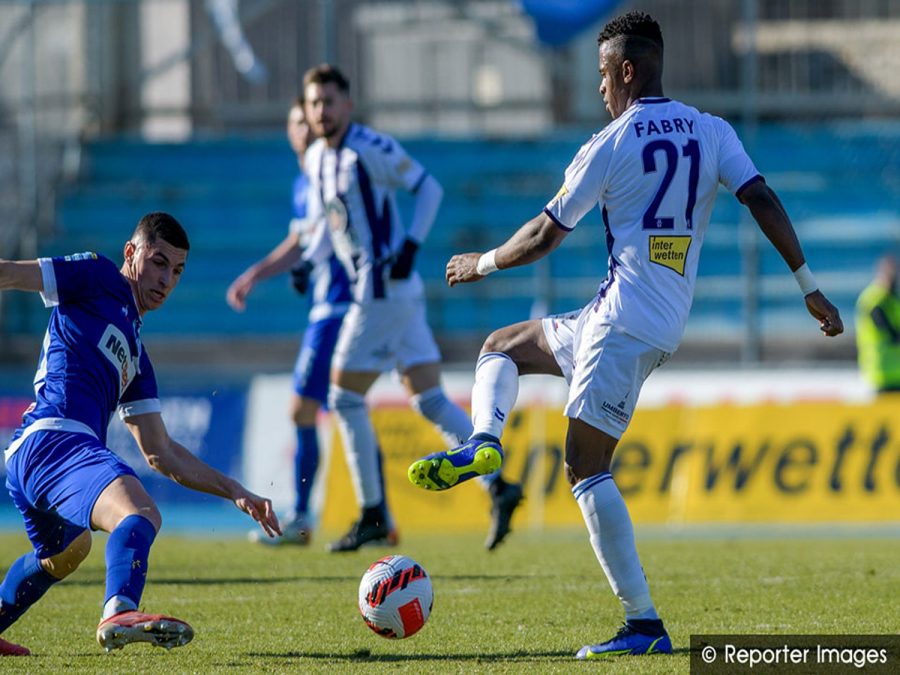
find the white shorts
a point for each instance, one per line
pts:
(379, 335)
(604, 366)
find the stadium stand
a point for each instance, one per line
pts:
(838, 181)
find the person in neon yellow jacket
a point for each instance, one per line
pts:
(878, 328)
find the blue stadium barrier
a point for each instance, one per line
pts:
(838, 182)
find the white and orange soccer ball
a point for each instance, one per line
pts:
(395, 596)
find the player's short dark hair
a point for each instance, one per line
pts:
(636, 35)
(325, 73)
(159, 225)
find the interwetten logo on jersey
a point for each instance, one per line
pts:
(114, 346)
(670, 251)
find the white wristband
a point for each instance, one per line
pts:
(805, 280)
(486, 263)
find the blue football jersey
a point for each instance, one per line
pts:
(92, 361)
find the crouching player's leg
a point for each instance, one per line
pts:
(63, 484)
(32, 575)
(59, 544)
(126, 511)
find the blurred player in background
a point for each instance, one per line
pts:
(330, 300)
(878, 328)
(354, 173)
(654, 171)
(60, 474)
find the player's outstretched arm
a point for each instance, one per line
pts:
(770, 215)
(280, 259)
(534, 240)
(176, 462)
(21, 275)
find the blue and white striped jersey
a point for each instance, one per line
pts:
(331, 293)
(92, 361)
(353, 189)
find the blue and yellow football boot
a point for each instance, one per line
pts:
(636, 638)
(442, 470)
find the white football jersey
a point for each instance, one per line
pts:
(654, 172)
(353, 187)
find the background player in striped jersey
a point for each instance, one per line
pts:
(60, 474)
(354, 174)
(330, 300)
(654, 171)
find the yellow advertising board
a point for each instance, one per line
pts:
(796, 462)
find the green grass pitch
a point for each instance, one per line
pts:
(525, 608)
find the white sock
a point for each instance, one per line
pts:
(494, 393)
(116, 604)
(451, 420)
(612, 538)
(360, 443)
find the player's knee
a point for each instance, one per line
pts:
(496, 342)
(63, 564)
(580, 465)
(343, 401)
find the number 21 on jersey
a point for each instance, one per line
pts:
(670, 251)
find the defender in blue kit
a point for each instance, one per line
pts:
(60, 474)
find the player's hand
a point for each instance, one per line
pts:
(403, 264)
(829, 318)
(240, 288)
(461, 269)
(300, 276)
(260, 509)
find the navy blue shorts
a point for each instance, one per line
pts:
(312, 371)
(54, 479)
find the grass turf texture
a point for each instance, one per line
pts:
(525, 608)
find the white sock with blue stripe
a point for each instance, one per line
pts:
(451, 420)
(494, 393)
(612, 538)
(360, 444)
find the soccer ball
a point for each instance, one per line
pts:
(395, 596)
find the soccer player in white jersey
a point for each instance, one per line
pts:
(654, 172)
(354, 173)
(60, 474)
(331, 298)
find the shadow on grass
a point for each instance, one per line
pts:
(366, 656)
(225, 581)
(221, 581)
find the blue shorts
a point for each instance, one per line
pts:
(54, 479)
(312, 371)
